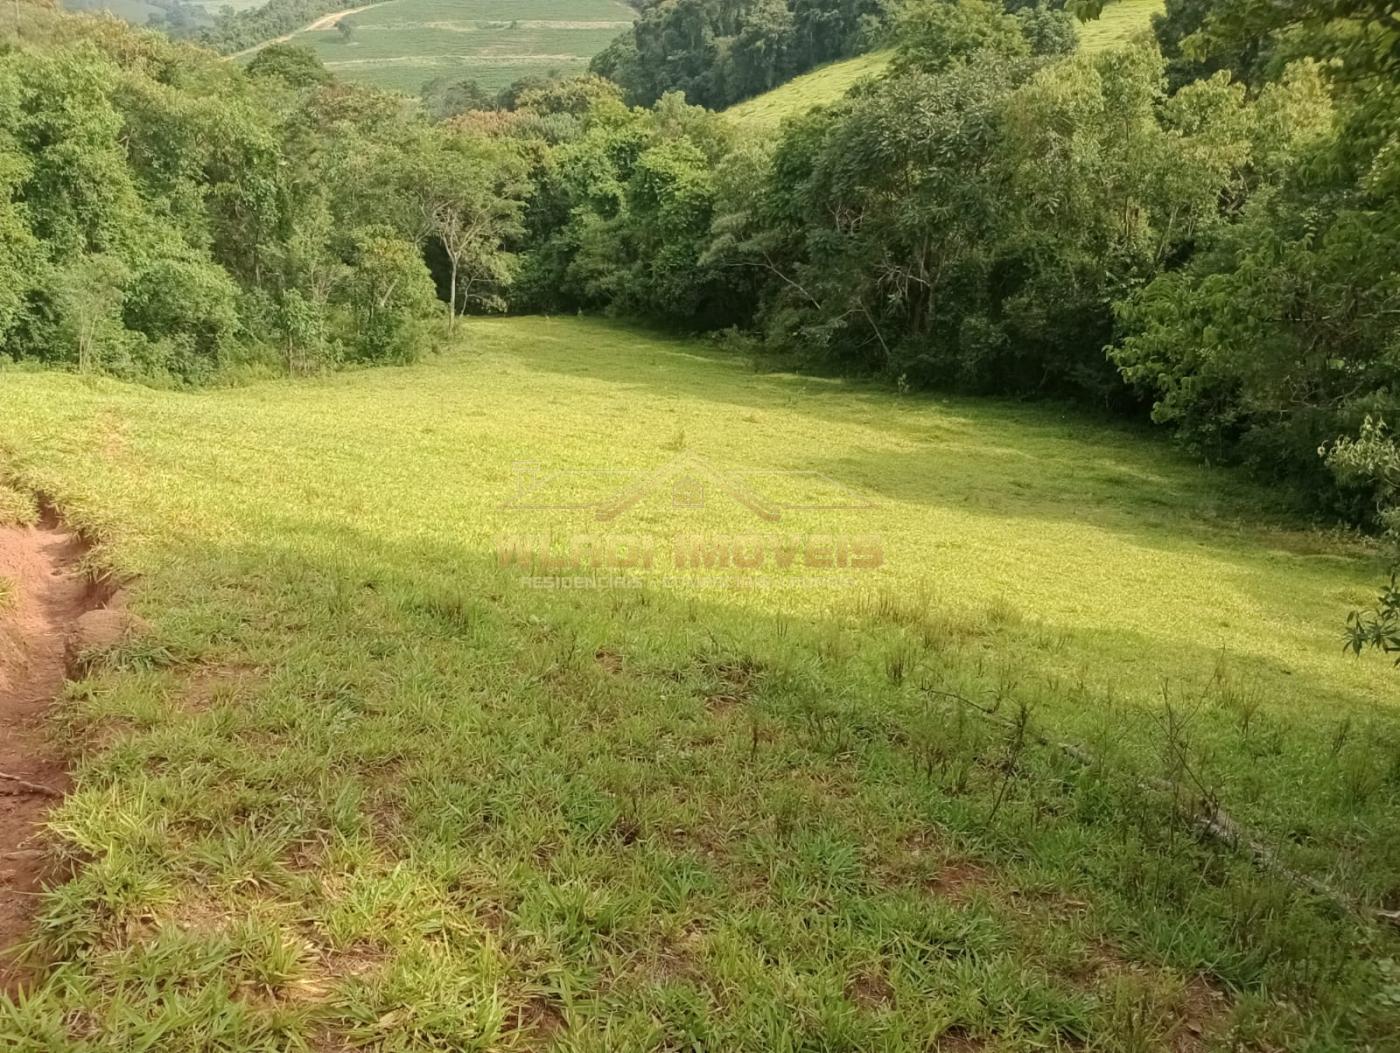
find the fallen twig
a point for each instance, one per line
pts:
(25, 786)
(1211, 822)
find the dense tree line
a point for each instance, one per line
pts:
(165, 215)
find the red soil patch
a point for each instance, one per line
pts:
(48, 595)
(870, 990)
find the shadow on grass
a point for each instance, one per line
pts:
(629, 810)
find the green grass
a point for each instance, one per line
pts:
(362, 786)
(404, 43)
(820, 86)
(1120, 22)
(16, 508)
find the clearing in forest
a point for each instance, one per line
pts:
(418, 751)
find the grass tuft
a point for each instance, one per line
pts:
(17, 508)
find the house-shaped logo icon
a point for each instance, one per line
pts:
(688, 481)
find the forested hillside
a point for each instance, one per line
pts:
(171, 216)
(1119, 24)
(992, 215)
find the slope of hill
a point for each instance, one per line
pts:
(814, 88)
(1119, 22)
(366, 783)
(820, 86)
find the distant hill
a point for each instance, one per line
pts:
(156, 12)
(828, 83)
(403, 43)
(1118, 23)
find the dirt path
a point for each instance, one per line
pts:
(324, 22)
(46, 595)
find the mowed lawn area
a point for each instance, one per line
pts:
(360, 785)
(402, 44)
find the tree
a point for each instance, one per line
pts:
(297, 66)
(89, 296)
(186, 307)
(1278, 335)
(470, 194)
(931, 35)
(1048, 30)
(444, 97)
(388, 290)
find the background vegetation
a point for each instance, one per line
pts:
(168, 216)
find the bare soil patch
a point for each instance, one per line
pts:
(49, 595)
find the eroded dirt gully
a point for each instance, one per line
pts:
(40, 634)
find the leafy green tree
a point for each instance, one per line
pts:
(388, 291)
(932, 35)
(297, 66)
(893, 212)
(186, 305)
(444, 97)
(1105, 183)
(1278, 334)
(88, 295)
(470, 195)
(79, 192)
(20, 251)
(302, 328)
(1048, 30)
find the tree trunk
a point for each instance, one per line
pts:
(452, 299)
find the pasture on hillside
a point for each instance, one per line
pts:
(372, 779)
(1118, 24)
(402, 44)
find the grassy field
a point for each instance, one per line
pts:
(816, 88)
(1119, 22)
(364, 786)
(402, 44)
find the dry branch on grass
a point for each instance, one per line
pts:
(1209, 821)
(18, 785)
